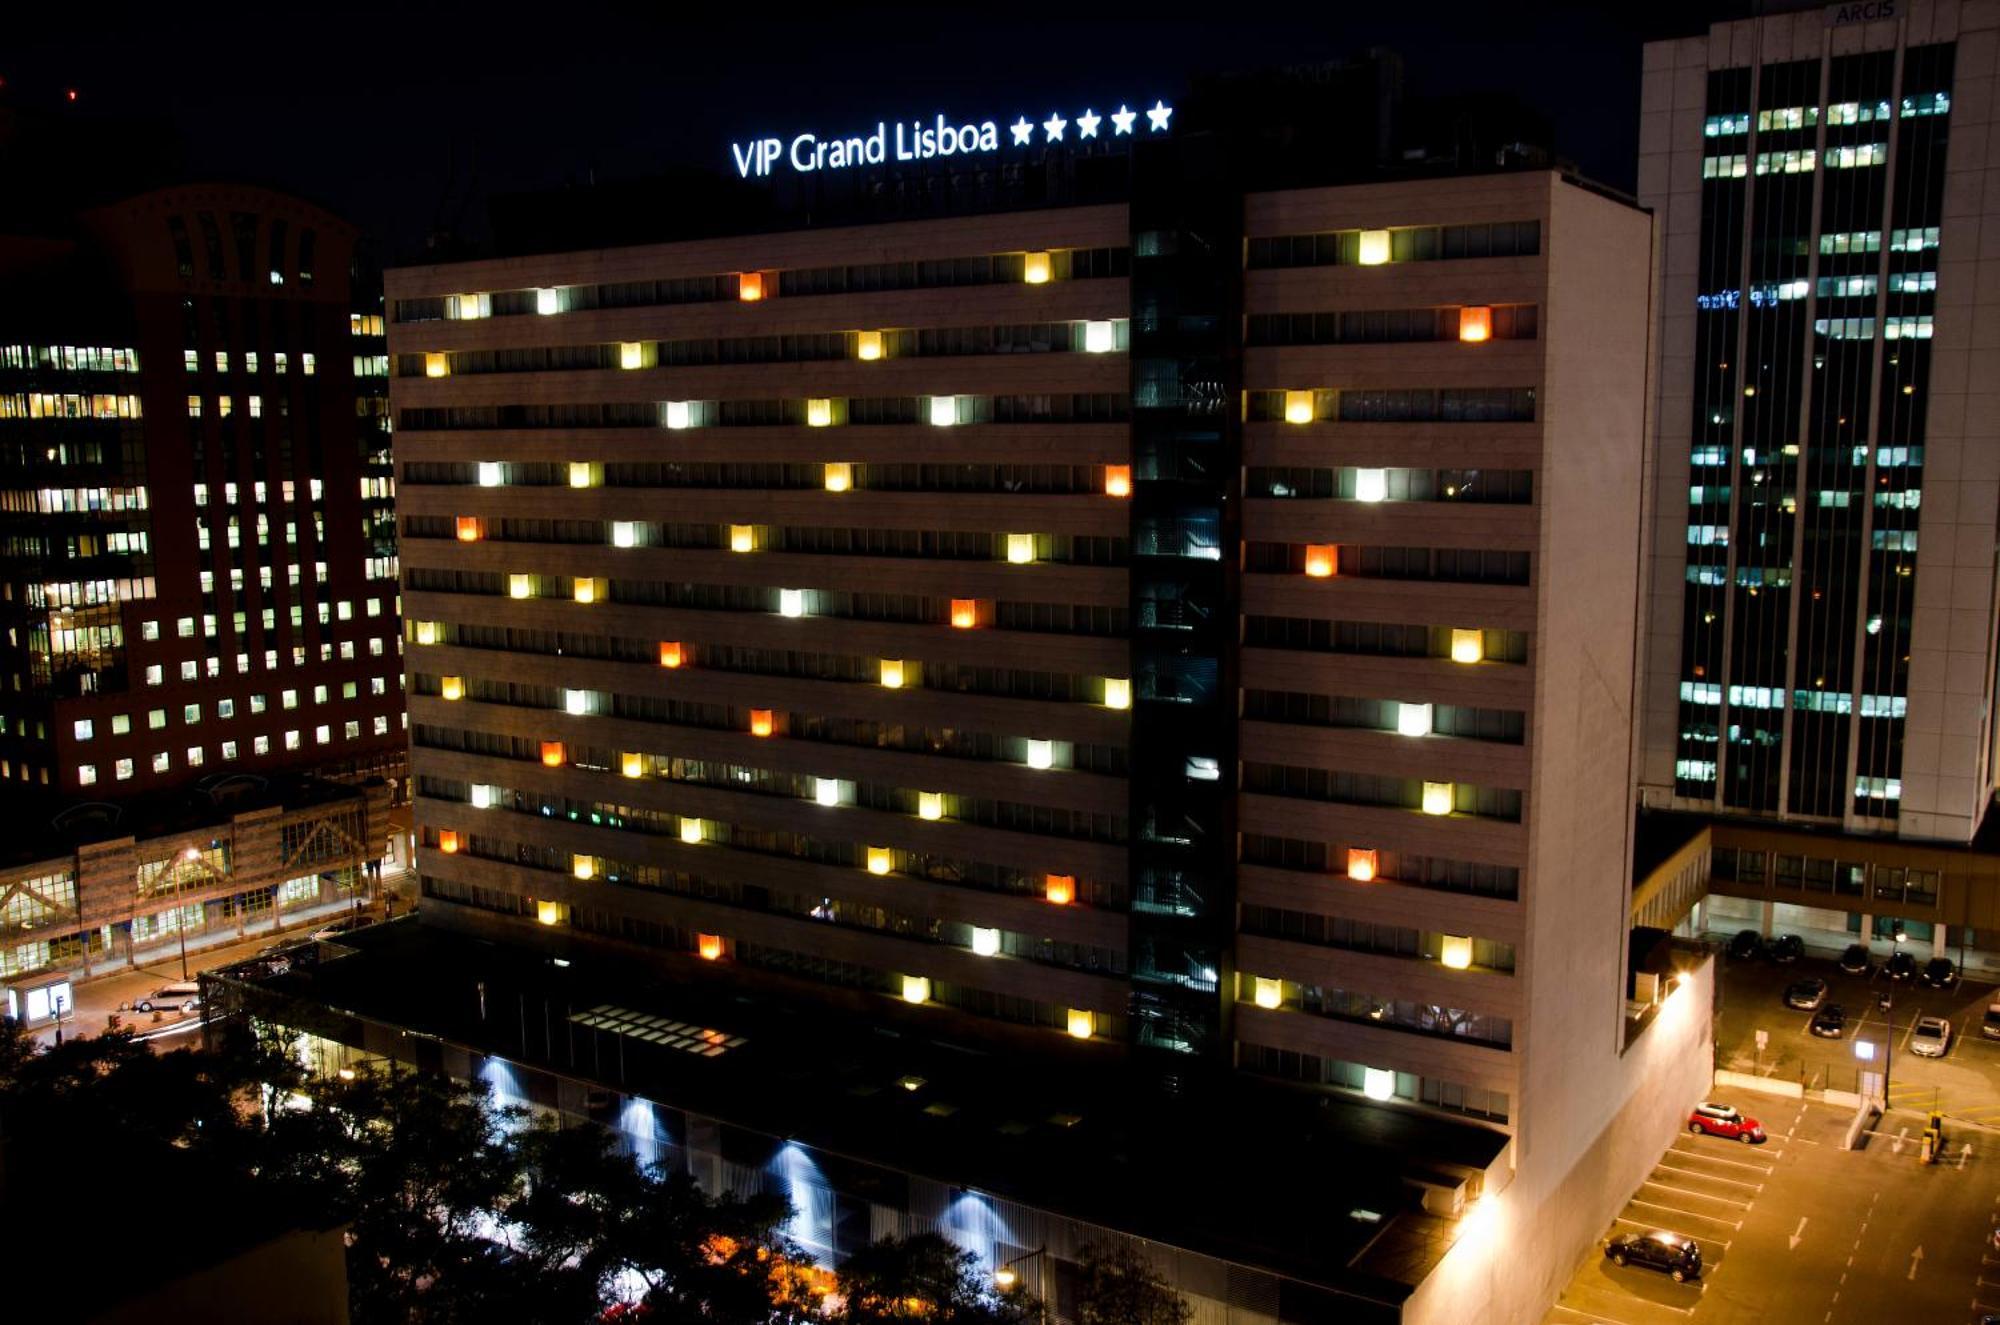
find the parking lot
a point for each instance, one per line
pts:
(1964, 1084)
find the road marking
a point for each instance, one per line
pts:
(1916, 1259)
(1736, 1224)
(1709, 1177)
(1724, 1159)
(1701, 1196)
(1798, 1235)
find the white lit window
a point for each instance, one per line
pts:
(86, 775)
(162, 761)
(85, 729)
(122, 770)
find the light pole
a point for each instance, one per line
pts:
(188, 857)
(1007, 1279)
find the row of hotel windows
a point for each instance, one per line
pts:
(85, 729)
(1348, 483)
(1809, 701)
(1881, 540)
(1032, 268)
(1090, 337)
(1455, 951)
(1404, 717)
(211, 667)
(815, 412)
(70, 358)
(184, 628)
(1867, 787)
(162, 761)
(1056, 889)
(1377, 1083)
(1369, 864)
(1383, 1010)
(1771, 293)
(1470, 325)
(1079, 1023)
(1369, 248)
(1837, 113)
(1416, 405)
(1797, 161)
(1846, 878)
(1345, 560)
(1018, 549)
(1897, 499)
(816, 905)
(1337, 787)
(66, 501)
(891, 673)
(1384, 639)
(830, 476)
(67, 405)
(281, 362)
(1885, 457)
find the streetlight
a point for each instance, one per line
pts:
(1006, 1278)
(188, 857)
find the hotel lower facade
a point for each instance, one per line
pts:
(1196, 632)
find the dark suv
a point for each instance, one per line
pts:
(1670, 1253)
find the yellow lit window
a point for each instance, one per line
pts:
(585, 474)
(1361, 864)
(819, 412)
(1467, 646)
(436, 365)
(964, 613)
(1437, 797)
(552, 754)
(1118, 480)
(670, 653)
(1321, 559)
(868, 345)
(742, 538)
(1082, 1023)
(1035, 269)
(944, 411)
(589, 590)
(427, 632)
(469, 530)
(452, 687)
(1371, 484)
(549, 913)
(760, 722)
(1456, 951)
(1268, 993)
(1374, 248)
(448, 842)
(892, 673)
(468, 307)
(1413, 719)
(1041, 754)
(1117, 692)
(930, 805)
(916, 989)
(750, 286)
(1099, 338)
(708, 946)
(631, 354)
(1475, 324)
(690, 830)
(985, 942)
(1298, 407)
(520, 586)
(879, 860)
(839, 476)
(632, 765)
(582, 867)
(1020, 548)
(1060, 889)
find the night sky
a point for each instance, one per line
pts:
(405, 119)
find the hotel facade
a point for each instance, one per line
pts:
(1820, 624)
(1196, 632)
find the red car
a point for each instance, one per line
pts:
(1726, 1121)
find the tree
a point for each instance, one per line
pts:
(925, 1278)
(1118, 1286)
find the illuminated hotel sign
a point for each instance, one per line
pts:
(918, 140)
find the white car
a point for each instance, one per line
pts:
(1930, 1037)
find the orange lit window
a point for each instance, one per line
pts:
(552, 753)
(448, 843)
(709, 946)
(1118, 480)
(1360, 864)
(670, 653)
(1320, 560)
(469, 530)
(1061, 889)
(964, 613)
(760, 722)
(1475, 324)
(750, 286)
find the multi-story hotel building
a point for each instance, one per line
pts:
(1197, 629)
(1821, 621)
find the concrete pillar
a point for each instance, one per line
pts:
(1766, 910)
(1867, 935)
(1938, 939)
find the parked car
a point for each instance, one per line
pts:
(1747, 944)
(1930, 1037)
(1855, 960)
(1830, 1022)
(1670, 1253)
(181, 996)
(1805, 995)
(1939, 973)
(1785, 949)
(1901, 967)
(1990, 1027)
(1725, 1120)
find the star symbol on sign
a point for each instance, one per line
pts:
(1086, 124)
(1023, 131)
(1158, 115)
(1054, 126)
(1121, 119)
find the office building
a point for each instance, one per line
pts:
(1820, 626)
(1195, 631)
(198, 571)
